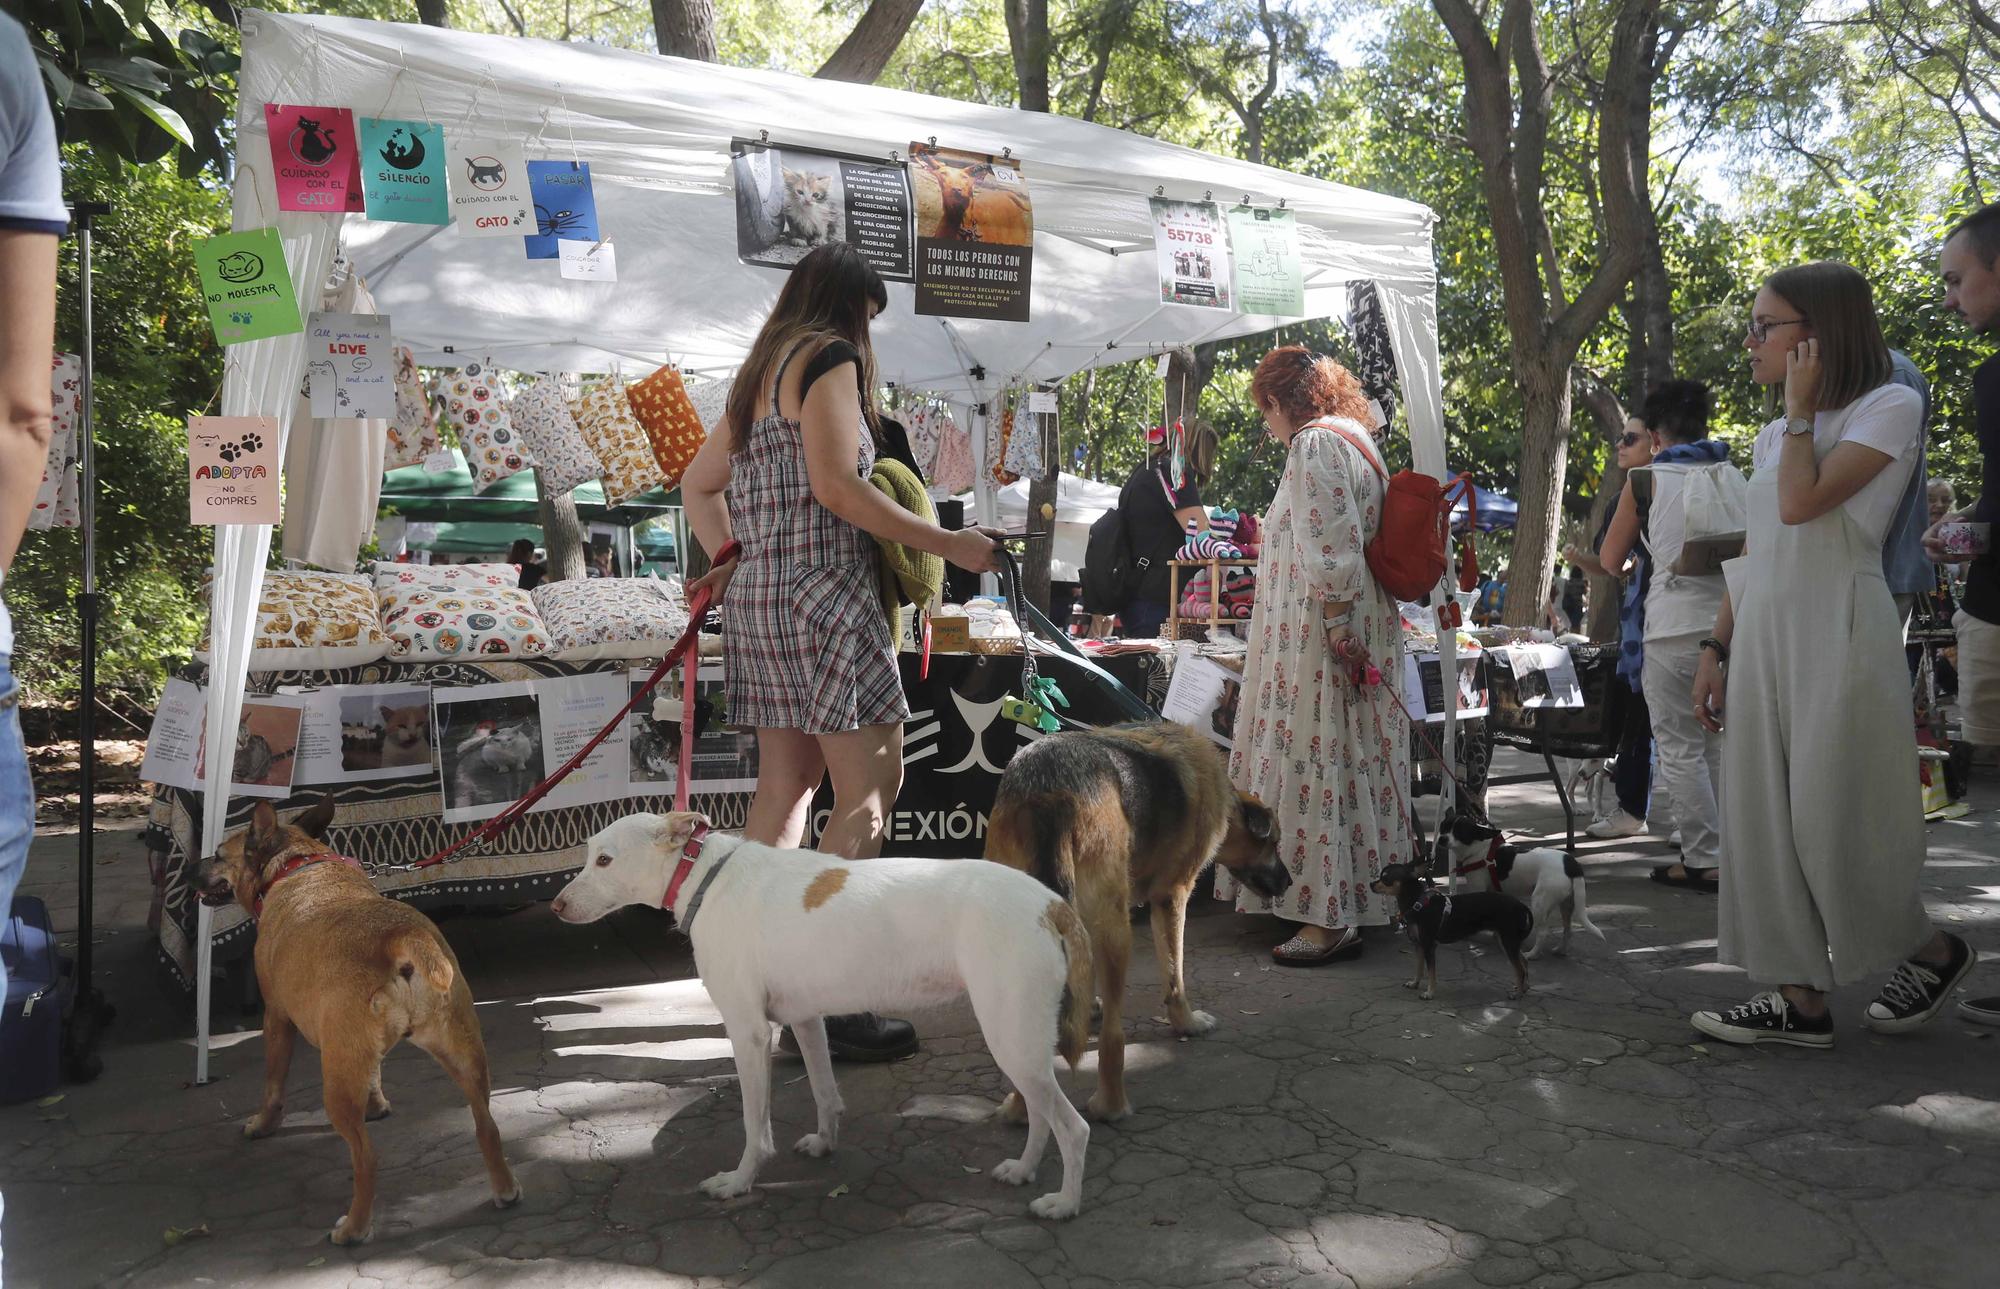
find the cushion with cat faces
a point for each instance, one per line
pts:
(612, 617)
(468, 612)
(475, 405)
(314, 621)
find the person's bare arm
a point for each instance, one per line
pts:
(1623, 534)
(27, 346)
(831, 430)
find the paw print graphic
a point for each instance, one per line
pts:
(228, 452)
(242, 317)
(252, 443)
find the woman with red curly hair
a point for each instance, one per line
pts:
(1329, 753)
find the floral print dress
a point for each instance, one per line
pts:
(1331, 758)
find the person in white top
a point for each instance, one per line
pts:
(1821, 812)
(1680, 609)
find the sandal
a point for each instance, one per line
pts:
(1663, 874)
(1301, 952)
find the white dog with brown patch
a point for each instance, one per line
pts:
(793, 936)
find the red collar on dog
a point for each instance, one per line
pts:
(1474, 865)
(293, 865)
(689, 854)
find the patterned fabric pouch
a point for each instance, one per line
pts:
(711, 402)
(58, 501)
(413, 433)
(542, 416)
(475, 406)
(672, 424)
(604, 415)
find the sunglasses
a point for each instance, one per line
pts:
(1629, 439)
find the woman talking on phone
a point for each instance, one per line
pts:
(1821, 812)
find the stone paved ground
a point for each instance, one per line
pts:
(1335, 1131)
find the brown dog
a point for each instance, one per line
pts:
(356, 973)
(1123, 816)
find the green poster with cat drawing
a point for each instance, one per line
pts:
(247, 286)
(790, 201)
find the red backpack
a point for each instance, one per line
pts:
(1410, 552)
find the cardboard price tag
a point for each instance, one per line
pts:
(439, 462)
(589, 261)
(1042, 402)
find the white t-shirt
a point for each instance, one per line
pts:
(1888, 418)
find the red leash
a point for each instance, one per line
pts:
(697, 614)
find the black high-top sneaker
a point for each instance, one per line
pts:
(1918, 991)
(862, 1037)
(1767, 1018)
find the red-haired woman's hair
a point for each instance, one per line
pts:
(1306, 386)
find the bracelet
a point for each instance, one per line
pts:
(1721, 649)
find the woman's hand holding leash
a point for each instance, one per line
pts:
(715, 581)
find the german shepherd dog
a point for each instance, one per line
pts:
(356, 973)
(1130, 815)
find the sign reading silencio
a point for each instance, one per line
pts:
(247, 286)
(313, 158)
(489, 188)
(232, 470)
(402, 171)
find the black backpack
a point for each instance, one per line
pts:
(1111, 576)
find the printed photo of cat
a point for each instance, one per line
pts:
(490, 749)
(267, 745)
(811, 212)
(788, 202)
(385, 728)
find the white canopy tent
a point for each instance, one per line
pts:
(1079, 502)
(656, 133)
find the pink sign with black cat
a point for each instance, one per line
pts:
(314, 158)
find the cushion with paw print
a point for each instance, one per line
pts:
(308, 621)
(463, 611)
(475, 404)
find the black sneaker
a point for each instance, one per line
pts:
(1980, 1011)
(1918, 991)
(863, 1037)
(1767, 1018)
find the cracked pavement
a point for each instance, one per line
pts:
(1334, 1131)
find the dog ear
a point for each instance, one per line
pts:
(671, 831)
(263, 822)
(314, 822)
(1258, 820)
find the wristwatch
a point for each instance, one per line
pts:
(1721, 649)
(1798, 425)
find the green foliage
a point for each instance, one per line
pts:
(156, 363)
(120, 82)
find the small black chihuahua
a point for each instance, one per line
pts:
(1434, 917)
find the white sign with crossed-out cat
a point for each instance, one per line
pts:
(489, 187)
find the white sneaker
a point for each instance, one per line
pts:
(1618, 824)
(1675, 839)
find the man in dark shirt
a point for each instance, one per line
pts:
(1970, 266)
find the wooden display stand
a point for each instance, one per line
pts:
(1180, 628)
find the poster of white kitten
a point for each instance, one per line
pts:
(490, 750)
(788, 202)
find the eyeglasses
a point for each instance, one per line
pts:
(1629, 440)
(1761, 331)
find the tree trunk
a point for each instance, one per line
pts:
(868, 48)
(1188, 374)
(1036, 573)
(432, 13)
(1544, 458)
(685, 28)
(1028, 38)
(1605, 592)
(562, 534)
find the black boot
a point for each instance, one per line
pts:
(862, 1037)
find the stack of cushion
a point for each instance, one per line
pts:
(308, 621)
(611, 617)
(469, 611)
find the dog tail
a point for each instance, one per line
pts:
(416, 954)
(1073, 1020)
(1583, 908)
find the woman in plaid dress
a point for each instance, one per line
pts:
(808, 657)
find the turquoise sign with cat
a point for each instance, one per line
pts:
(403, 177)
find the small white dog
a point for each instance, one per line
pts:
(1554, 879)
(794, 936)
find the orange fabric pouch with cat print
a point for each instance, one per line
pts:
(662, 406)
